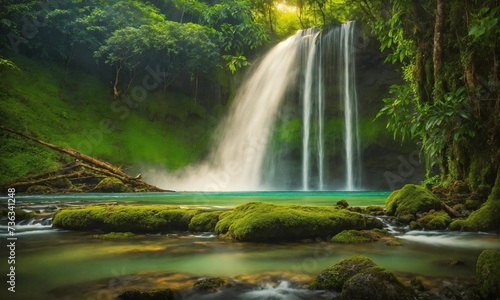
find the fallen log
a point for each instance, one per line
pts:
(83, 161)
(94, 161)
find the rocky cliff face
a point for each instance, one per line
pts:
(387, 164)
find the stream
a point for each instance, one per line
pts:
(59, 264)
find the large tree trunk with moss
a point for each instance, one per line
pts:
(487, 217)
(438, 50)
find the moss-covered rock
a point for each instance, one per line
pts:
(342, 204)
(334, 277)
(39, 190)
(410, 200)
(488, 274)
(163, 294)
(116, 235)
(394, 242)
(20, 214)
(258, 221)
(61, 183)
(122, 218)
(359, 236)
(205, 221)
(111, 185)
(210, 285)
(487, 217)
(375, 283)
(374, 210)
(434, 220)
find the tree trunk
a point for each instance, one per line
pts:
(437, 57)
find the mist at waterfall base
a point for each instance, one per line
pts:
(290, 92)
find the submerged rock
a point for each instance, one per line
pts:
(488, 274)
(116, 235)
(375, 283)
(210, 285)
(258, 221)
(163, 294)
(334, 277)
(359, 236)
(360, 278)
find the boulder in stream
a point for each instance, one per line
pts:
(259, 222)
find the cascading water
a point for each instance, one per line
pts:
(337, 43)
(314, 62)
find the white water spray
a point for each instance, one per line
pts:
(236, 161)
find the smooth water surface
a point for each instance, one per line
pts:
(226, 199)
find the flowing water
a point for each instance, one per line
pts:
(57, 264)
(305, 65)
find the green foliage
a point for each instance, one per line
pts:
(78, 110)
(256, 221)
(485, 27)
(7, 63)
(454, 110)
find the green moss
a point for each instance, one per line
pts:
(258, 221)
(374, 210)
(334, 277)
(488, 274)
(111, 185)
(123, 218)
(375, 283)
(359, 236)
(163, 294)
(116, 235)
(209, 284)
(411, 199)
(20, 214)
(435, 220)
(487, 217)
(73, 111)
(39, 190)
(204, 221)
(394, 242)
(342, 204)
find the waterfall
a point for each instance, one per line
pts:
(308, 97)
(338, 43)
(351, 131)
(312, 69)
